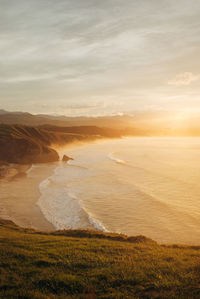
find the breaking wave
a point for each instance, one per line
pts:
(116, 159)
(61, 206)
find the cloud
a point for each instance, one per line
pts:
(90, 52)
(185, 78)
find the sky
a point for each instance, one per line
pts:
(99, 57)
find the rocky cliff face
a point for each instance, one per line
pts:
(25, 146)
(26, 152)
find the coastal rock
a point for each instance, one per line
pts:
(66, 158)
(26, 151)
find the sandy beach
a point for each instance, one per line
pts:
(21, 200)
(8, 171)
(19, 196)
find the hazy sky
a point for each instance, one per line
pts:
(91, 57)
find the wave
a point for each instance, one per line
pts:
(43, 185)
(166, 177)
(30, 169)
(62, 208)
(115, 159)
(97, 224)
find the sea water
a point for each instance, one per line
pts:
(135, 186)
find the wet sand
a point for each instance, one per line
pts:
(19, 196)
(8, 171)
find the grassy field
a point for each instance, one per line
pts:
(83, 264)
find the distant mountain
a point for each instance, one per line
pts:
(140, 123)
(25, 118)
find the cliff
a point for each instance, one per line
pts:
(25, 145)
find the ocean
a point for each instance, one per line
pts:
(134, 186)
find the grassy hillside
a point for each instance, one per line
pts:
(83, 264)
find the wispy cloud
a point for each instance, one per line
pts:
(185, 78)
(98, 56)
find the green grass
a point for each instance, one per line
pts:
(84, 264)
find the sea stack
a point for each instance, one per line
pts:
(66, 158)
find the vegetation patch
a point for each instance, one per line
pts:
(86, 264)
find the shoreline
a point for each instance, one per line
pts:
(9, 171)
(26, 209)
(20, 192)
(62, 211)
(19, 204)
(21, 197)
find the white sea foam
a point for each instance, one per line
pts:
(97, 224)
(60, 204)
(70, 162)
(59, 208)
(30, 169)
(116, 159)
(133, 186)
(43, 185)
